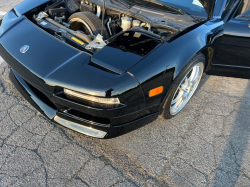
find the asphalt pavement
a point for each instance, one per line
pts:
(207, 144)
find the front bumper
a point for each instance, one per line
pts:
(75, 123)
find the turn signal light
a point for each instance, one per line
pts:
(156, 91)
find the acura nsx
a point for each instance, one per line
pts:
(106, 67)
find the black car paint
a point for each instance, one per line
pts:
(135, 47)
(235, 40)
(49, 68)
(231, 48)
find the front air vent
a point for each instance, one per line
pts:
(102, 68)
(41, 96)
(90, 118)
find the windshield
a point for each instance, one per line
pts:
(192, 7)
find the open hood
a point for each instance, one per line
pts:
(208, 6)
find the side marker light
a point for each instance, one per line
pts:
(156, 91)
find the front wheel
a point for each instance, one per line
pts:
(184, 87)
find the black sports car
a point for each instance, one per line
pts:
(107, 67)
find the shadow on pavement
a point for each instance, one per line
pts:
(236, 134)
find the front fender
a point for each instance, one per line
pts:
(162, 66)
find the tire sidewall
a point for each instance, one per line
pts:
(176, 83)
(93, 22)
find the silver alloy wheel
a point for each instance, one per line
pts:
(186, 88)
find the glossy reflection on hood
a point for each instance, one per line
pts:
(125, 51)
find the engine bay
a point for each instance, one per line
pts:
(90, 25)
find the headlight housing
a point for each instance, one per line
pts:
(95, 101)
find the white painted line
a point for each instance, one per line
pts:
(2, 13)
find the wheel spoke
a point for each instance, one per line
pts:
(196, 80)
(195, 75)
(177, 104)
(186, 89)
(182, 89)
(185, 85)
(192, 75)
(180, 94)
(186, 82)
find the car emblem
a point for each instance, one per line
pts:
(24, 49)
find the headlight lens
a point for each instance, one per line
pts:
(107, 101)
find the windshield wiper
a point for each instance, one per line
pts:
(124, 3)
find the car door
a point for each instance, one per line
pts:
(232, 48)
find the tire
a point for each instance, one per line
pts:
(89, 21)
(169, 109)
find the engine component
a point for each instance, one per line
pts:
(72, 5)
(146, 25)
(134, 42)
(59, 19)
(126, 23)
(58, 12)
(41, 15)
(64, 34)
(66, 24)
(108, 25)
(88, 8)
(96, 44)
(79, 35)
(136, 23)
(139, 28)
(115, 27)
(48, 26)
(60, 37)
(56, 4)
(98, 11)
(74, 39)
(103, 15)
(87, 22)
